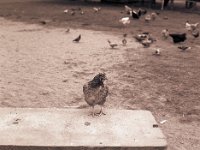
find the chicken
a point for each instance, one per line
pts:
(127, 9)
(157, 52)
(68, 30)
(77, 39)
(96, 9)
(145, 39)
(66, 11)
(146, 43)
(191, 27)
(178, 37)
(125, 35)
(165, 33)
(153, 16)
(82, 12)
(147, 18)
(141, 37)
(112, 45)
(125, 20)
(143, 11)
(195, 33)
(183, 48)
(124, 42)
(135, 15)
(95, 92)
(72, 13)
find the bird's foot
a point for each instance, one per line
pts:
(100, 113)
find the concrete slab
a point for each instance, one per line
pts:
(74, 128)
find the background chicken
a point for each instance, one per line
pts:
(191, 27)
(125, 20)
(177, 38)
(95, 92)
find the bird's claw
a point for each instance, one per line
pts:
(100, 113)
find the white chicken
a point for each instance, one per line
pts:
(156, 52)
(147, 18)
(96, 9)
(191, 27)
(125, 20)
(165, 33)
(66, 11)
(153, 16)
(127, 9)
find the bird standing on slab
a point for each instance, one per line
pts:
(177, 38)
(96, 92)
(77, 39)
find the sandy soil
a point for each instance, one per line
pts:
(42, 67)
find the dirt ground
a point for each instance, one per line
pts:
(42, 67)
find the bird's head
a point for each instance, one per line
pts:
(101, 77)
(98, 80)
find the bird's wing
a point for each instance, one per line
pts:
(103, 93)
(90, 94)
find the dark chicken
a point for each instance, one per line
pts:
(178, 37)
(77, 39)
(95, 92)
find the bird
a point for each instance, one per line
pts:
(143, 11)
(141, 37)
(146, 42)
(183, 48)
(96, 9)
(177, 38)
(125, 35)
(95, 92)
(195, 33)
(147, 18)
(135, 14)
(127, 9)
(44, 22)
(112, 45)
(191, 27)
(77, 39)
(66, 11)
(165, 33)
(157, 52)
(72, 13)
(68, 30)
(125, 20)
(82, 12)
(153, 15)
(124, 42)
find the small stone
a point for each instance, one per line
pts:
(87, 123)
(155, 125)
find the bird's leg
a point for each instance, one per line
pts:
(93, 114)
(101, 112)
